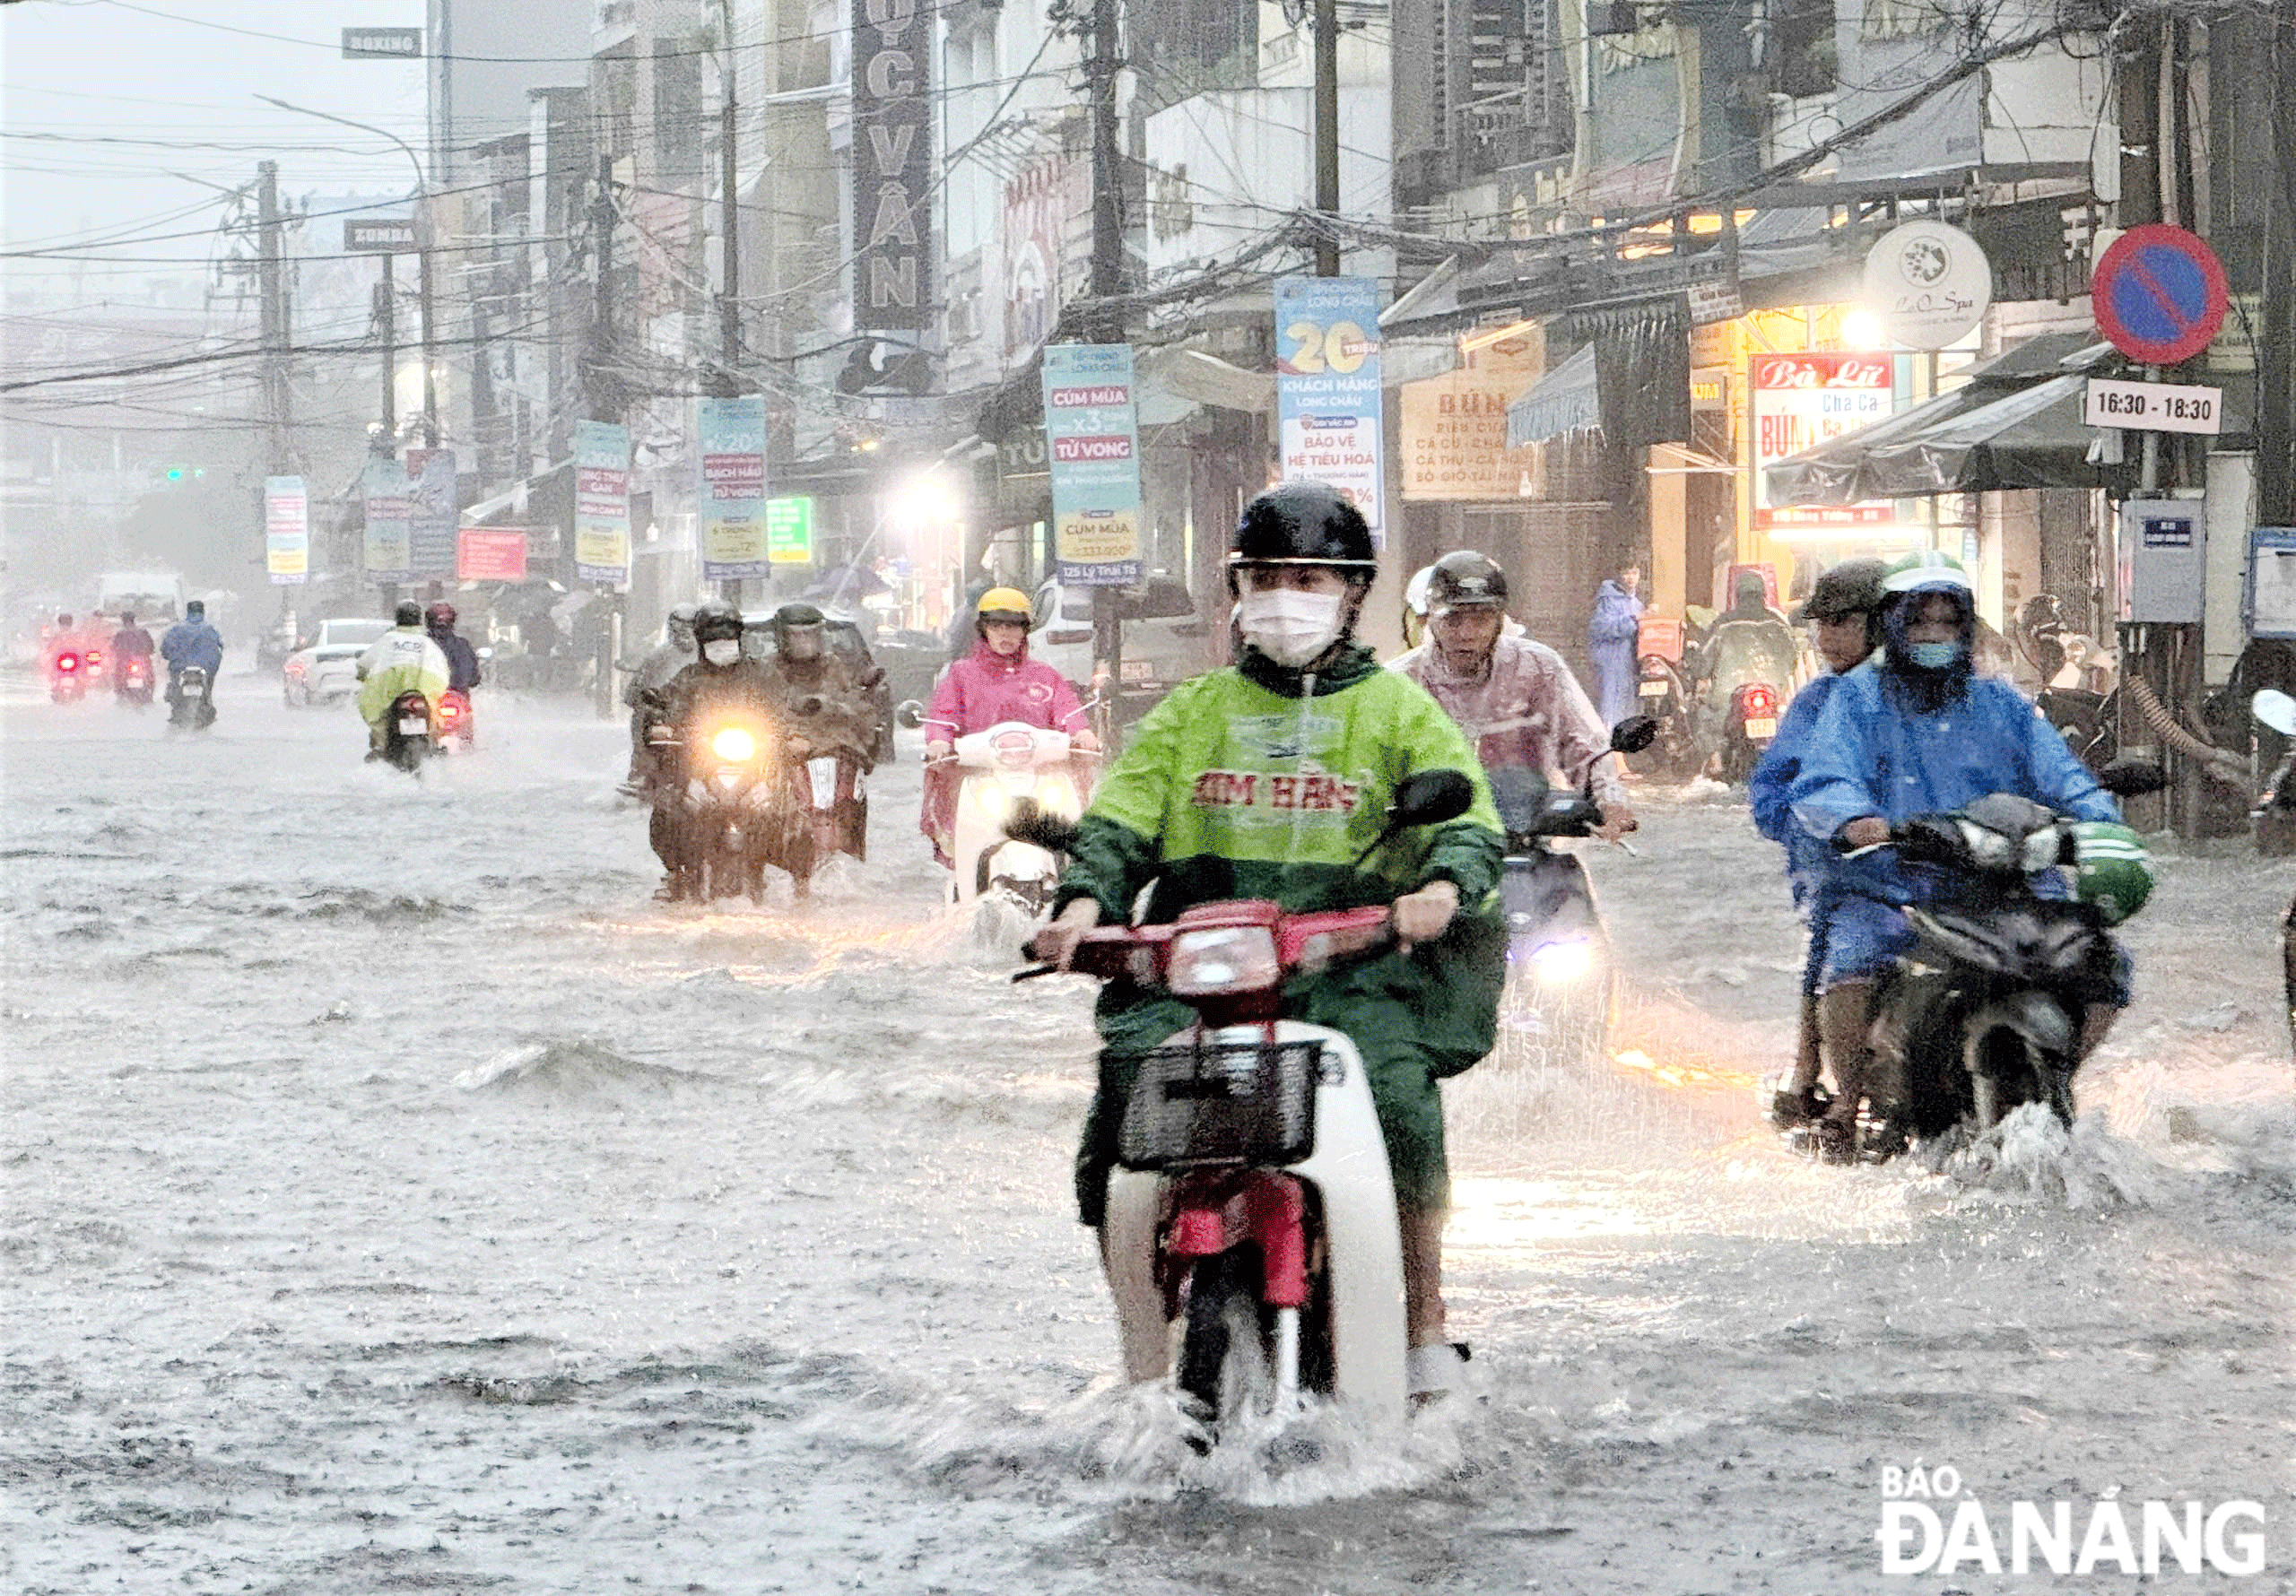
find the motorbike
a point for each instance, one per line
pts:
(92, 664)
(733, 801)
(454, 729)
(132, 683)
(191, 699)
(1010, 762)
(1748, 729)
(407, 731)
(1984, 1015)
(837, 795)
(2275, 819)
(1562, 981)
(1662, 696)
(1250, 1214)
(67, 677)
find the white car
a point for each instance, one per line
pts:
(1165, 640)
(326, 668)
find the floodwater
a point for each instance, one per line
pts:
(396, 1198)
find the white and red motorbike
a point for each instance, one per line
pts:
(1251, 1226)
(1010, 764)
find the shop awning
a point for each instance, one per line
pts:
(2016, 423)
(1567, 399)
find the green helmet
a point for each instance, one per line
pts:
(1923, 571)
(2110, 868)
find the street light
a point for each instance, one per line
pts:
(422, 258)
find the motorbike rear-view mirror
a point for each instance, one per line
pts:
(1633, 735)
(1429, 799)
(910, 714)
(2274, 709)
(2132, 778)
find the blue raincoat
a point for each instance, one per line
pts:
(1611, 636)
(1874, 751)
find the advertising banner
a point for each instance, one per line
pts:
(602, 502)
(893, 166)
(491, 554)
(789, 530)
(390, 550)
(1454, 430)
(1092, 435)
(1801, 401)
(286, 530)
(433, 518)
(732, 489)
(1327, 385)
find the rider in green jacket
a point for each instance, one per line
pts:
(1266, 780)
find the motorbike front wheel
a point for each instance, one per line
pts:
(1223, 1362)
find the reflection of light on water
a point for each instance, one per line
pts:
(1504, 1214)
(1634, 1059)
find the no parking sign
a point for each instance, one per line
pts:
(2159, 294)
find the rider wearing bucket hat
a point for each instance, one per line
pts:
(1918, 731)
(1266, 780)
(997, 681)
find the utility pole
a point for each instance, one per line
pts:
(429, 333)
(1327, 25)
(1106, 321)
(729, 302)
(387, 328)
(277, 397)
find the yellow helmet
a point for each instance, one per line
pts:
(1003, 603)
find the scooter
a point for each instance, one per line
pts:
(407, 731)
(735, 804)
(191, 699)
(1562, 981)
(2275, 818)
(133, 684)
(1251, 1221)
(1662, 695)
(1748, 729)
(1010, 762)
(1984, 1015)
(838, 801)
(67, 678)
(454, 729)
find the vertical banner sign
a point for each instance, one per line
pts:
(491, 554)
(732, 489)
(1092, 433)
(390, 553)
(287, 530)
(789, 530)
(602, 502)
(1327, 385)
(433, 519)
(1801, 401)
(893, 175)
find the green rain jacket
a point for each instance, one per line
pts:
(403, 660)
(1263, 782)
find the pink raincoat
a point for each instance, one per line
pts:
(1527, 711)
(975, 693)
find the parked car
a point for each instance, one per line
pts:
(326, 667)
(1165, 642)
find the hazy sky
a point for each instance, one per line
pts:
(174, 91)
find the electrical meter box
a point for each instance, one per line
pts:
(2163, 559)
(2270, 599)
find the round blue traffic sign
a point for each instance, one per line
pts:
(2159, 294)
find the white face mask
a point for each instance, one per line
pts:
(1289, 627)
(722, 650)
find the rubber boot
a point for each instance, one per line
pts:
(1845, 1019)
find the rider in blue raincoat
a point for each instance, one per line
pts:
(1915, 731)
(1845, 609)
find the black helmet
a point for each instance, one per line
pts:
(791, 619)
(1304, 523)
(1464, 578)
(715, 621)
(409, 613)
(1852, 587)
(439, 615)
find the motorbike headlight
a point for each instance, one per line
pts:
(1565, 958)
(1056, 795)
(991, 800)
(735, 745)
(1222, 958)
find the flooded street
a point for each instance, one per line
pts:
(397, 1198)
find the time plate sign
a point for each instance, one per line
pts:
(2154, 406)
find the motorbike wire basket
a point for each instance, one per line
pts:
(1237, 1104)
